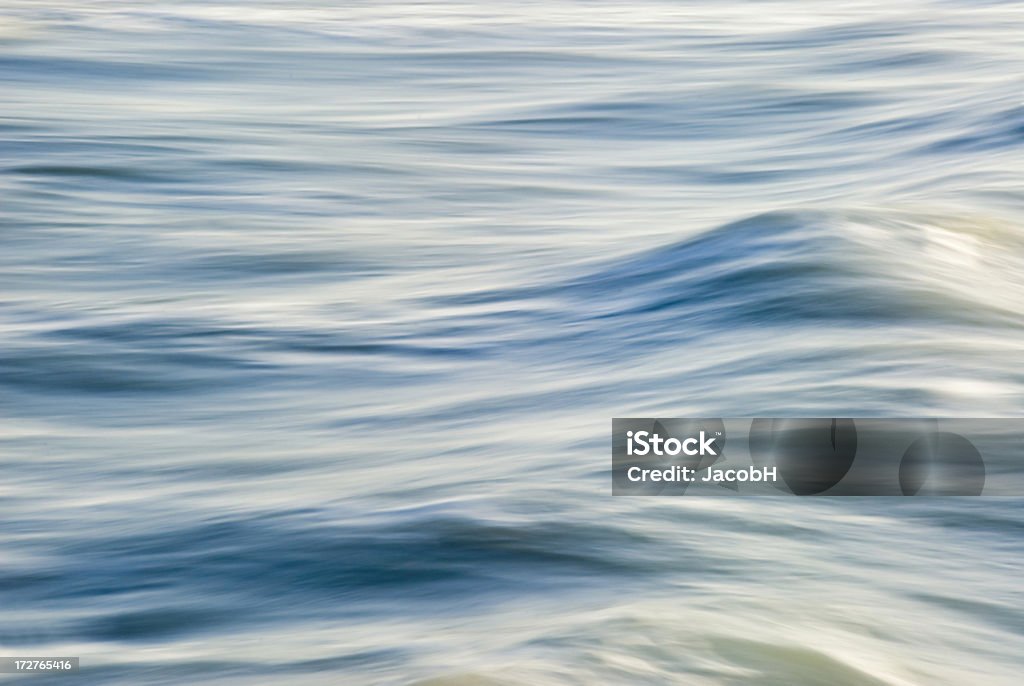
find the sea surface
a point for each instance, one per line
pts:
(314, 316)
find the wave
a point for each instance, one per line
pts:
(789, 269)
(813, 265)
(270, 566)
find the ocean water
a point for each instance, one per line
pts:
(314, 317)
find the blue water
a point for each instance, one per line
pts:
(315, 315)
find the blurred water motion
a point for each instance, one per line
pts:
(314, 319)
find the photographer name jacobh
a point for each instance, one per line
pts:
(643, 443)
(713, 474)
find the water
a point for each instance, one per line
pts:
(314, 319)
